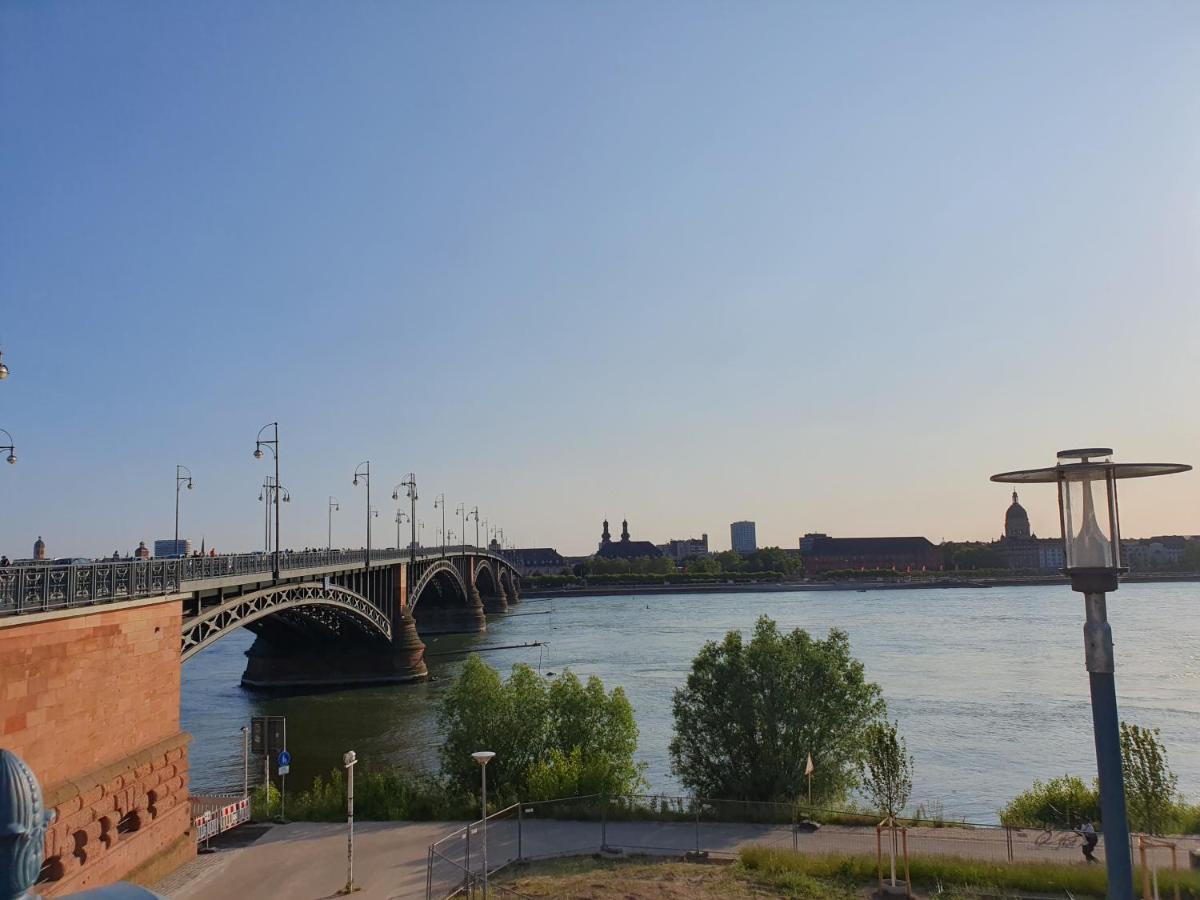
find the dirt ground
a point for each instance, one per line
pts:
(634, 879)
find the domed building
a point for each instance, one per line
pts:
(1016, 521)
(1021, 547)
(39, 549)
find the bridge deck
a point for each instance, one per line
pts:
(40, 588)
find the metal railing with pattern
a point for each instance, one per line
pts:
(46, 587)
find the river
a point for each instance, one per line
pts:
(987, 684)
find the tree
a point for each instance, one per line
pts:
(886, 769)
(567, 731)
(1149, 782)
(750, 713)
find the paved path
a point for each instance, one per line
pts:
(307, 861)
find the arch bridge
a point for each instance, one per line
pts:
(330, 617)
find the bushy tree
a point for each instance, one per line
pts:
(1060, 803)
(532, 727)
(751, 712)
(886, 769)
(1150, 784)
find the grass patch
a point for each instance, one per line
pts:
(651, 878)
(954, 874)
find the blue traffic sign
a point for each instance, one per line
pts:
(285, 758)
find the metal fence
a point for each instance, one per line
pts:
(702, 828)
(215, 813)
(45, 587)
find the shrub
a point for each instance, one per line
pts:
(1059, 803)
(381, 796)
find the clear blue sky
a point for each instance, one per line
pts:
(824, 266)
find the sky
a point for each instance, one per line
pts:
(823, 266)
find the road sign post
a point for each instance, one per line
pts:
(285, 766)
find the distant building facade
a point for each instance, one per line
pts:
(624, 548)
(540, 561)
(171, 548)
(742, 537)
(685, 547)
(1153, 554)
(822, 553)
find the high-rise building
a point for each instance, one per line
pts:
(170, 548)
(741, 536)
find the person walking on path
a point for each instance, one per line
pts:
(1090, 839)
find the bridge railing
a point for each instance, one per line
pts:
(43, 588)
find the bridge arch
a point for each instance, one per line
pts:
(442, 602)
(330, 609)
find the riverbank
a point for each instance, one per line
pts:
(785, 587)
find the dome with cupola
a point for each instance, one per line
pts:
(1016, 520)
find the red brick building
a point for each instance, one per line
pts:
(822, 553)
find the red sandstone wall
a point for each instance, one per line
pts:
(91, 703)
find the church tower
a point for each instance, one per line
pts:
(39, 548)
(625, 530)
(605, 537)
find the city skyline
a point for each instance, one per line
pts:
(884, 256)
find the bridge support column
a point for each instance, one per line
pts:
(497, 603)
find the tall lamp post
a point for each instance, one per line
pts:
(410, 485)
(483, 757)
(180, 480)
(12, 451)
(1092, 548)
(364, 472)
(461, 509)
(475, 513)
(334, 506)
(440, 500)
(273, 443)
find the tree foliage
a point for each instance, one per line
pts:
(886, 769)
(751, 712)
(1150, 785)
(536, 727)
(1058, 803)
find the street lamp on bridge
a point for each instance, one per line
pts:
(12, 451)
(440, 500)
(334, 506)
(3, 367)
(461, 510)
(1092, 549)
(410, 485)
(180, 479)
(401, 516)
(364, 472)
(270, 492)
(273, 443)
(475, 513)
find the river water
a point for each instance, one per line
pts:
(988, 684)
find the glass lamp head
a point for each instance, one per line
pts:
(12, 459)
(1087, 508)
(258, 454)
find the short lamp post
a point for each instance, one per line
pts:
(1092, 548)
(349, 760)
(483, 757)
